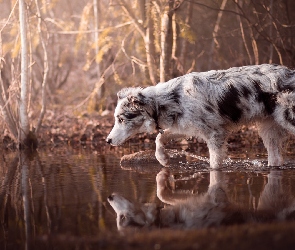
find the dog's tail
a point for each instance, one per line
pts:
(285, 111)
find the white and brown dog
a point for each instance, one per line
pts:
(210, 105)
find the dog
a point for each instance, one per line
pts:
(210, 209)
(210, 105)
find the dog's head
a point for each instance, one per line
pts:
(131, 215)
(134, 114)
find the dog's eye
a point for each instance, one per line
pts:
(131, 115)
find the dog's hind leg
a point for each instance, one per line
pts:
(161, 139)
(284, 113)
(217, 148)
(273, 137)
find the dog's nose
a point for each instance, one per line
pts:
(109, 140)
(111, 197)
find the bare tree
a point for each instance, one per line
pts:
(24, 126)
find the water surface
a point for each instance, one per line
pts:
(64, 192)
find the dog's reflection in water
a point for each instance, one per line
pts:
(184, 211)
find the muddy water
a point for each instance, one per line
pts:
(63, 193)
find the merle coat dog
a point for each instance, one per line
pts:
(210, 105)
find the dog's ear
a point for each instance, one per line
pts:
(127, 92)
(137, 99)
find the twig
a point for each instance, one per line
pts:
(46, 69)
(100, 82)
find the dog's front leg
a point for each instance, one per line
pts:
(161, 139)
(217, 149)
(160, 153)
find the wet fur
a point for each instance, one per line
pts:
(210, 105)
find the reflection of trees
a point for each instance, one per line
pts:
(25, 191)
(65, 193)
(6, 194)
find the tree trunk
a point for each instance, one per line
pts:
(183, 48)
(26, 138)
(270, 31)
(23, 103)
(215, 32)
(166, 42)
(149, 46)
(101, 90)
(45, 69)
(243, 35)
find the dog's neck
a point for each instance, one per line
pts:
(164, 107)
(152, 106)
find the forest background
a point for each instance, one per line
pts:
(80, 53)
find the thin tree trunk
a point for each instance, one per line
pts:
(100, 91)
(270, 32)
(254, 45)
(149, 46)
(183, 48)
(166, 43)
(23, 103)
(45, 70)
(244, 38)
(215, 32)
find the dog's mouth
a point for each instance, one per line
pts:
(111, 142)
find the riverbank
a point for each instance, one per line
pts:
(89, 131)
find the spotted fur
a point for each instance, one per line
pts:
(210, 105)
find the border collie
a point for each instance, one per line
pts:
(210, 105)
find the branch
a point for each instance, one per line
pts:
(4, 103)
(9, 16)
(101, 81)
(46, 69)
(131, 15)
(218, 9)
(74, 32)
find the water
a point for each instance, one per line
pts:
(63, 193)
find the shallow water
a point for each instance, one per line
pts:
(64, 192)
